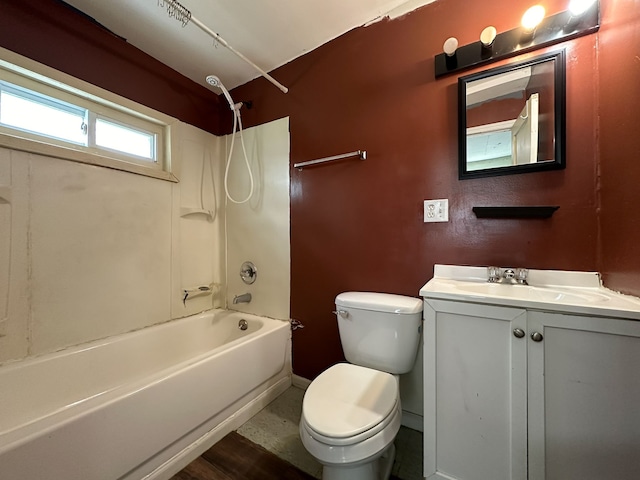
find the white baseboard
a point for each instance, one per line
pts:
(300, 382)
(412, 421)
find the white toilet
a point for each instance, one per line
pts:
(351, 412)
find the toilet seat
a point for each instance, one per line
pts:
(353, 451)
(348, 403)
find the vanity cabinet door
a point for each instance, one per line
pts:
(475, 388)
(584, 398)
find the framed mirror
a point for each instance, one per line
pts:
(511, 119)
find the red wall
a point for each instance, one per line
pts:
(358, 225)
(53, 33)
(619, 169)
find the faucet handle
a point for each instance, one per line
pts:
(521, 275)
(248, 272)
(494, 274)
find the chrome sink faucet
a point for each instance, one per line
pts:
(516, 276)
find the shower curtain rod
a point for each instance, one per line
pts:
(181, 13)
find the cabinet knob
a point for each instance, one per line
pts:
(536, 337)
(518, 332)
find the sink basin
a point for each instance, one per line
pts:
(527, 292)
(553, 290)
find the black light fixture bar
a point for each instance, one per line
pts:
(553, 29)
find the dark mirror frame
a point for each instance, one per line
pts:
(558, 162)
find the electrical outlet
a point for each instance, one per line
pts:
(436, 210)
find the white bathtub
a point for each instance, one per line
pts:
(139, 405)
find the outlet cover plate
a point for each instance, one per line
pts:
(436, 210)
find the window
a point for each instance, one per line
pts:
(29, 111)
(41, 114)
(125, 139)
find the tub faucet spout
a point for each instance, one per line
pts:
(244, 298)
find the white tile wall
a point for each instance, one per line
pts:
(14, 305)
(100, 248)
(96, 252)
(5, 236)
(198, 238)
(258, 231)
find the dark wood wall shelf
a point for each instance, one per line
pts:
(526, 211)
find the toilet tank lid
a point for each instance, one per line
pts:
(380, 302)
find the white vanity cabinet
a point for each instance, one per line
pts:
(475, 392)
(519, 392)
(584, 397)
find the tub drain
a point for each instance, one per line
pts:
(243, 324)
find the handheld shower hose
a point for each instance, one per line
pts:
(237, 124)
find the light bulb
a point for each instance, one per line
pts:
(532, 17)
(578, 7)
(450, 46)
(487, 36)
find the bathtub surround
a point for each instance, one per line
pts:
(199, 217)
(89, 252)
(98, 252)
(258, 230)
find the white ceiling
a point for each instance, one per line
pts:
(269, 32)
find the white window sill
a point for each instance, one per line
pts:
(81, 156)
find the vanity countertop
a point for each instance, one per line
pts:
(550, 290)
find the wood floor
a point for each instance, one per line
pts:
(236, 458)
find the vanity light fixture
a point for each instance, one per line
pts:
(578, 7)
(532, 18)
(487, 36)
(537, 31)
(578, 10)
(450, 46)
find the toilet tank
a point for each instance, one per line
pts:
(379, 330)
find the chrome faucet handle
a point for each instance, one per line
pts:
(248, 273)
(521, 276)
(494, 274)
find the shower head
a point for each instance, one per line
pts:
(215, 82)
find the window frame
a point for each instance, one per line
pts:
(100, 105)
(42, 99)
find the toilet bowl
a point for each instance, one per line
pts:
(350, 417)
(351, 413)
